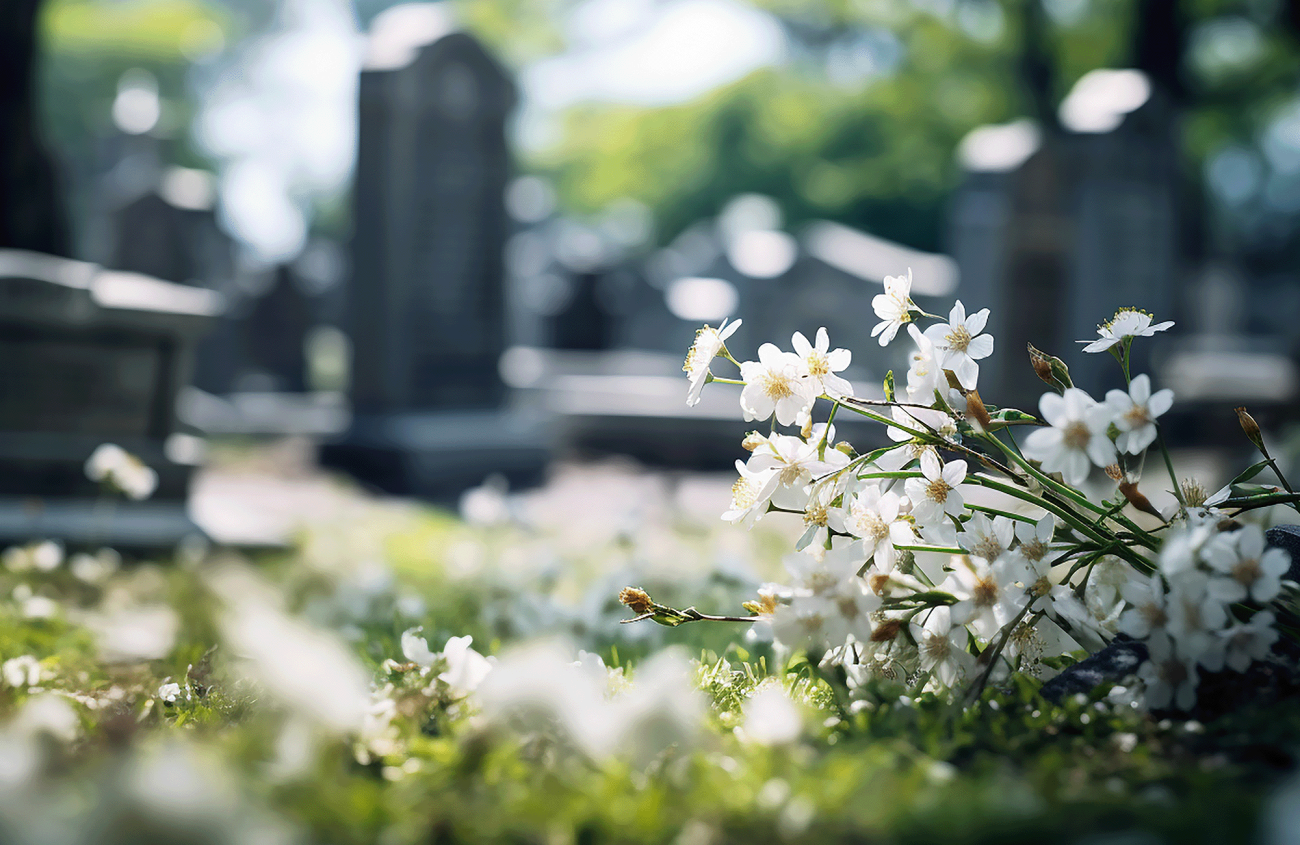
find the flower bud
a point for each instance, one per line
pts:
(886, 631)
(1050, 369)
(975, 410)
(1137, 499)
(1251, 428)
(636, 599)
(752, 441)
(1114, 472)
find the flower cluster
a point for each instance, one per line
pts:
(955, 553)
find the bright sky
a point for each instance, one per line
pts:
(648, 52)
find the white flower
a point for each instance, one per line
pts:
(1247, 642)
(416, 649)
(113, 465)
(1169, 675)
(936, 494)
(1034, 541)
(819, 517)
(987, 538)
(1194, 614)
(1077, 434)
(923, 372)
(1127, 323)
(771, 717)
(169, 693)
(1135, 413)
(708, 343)
(750, 495)
(21, 672)
(1146, 613)
(1253, 571)
(849, 613)
(466, 668)
(958, 344)
(893, 307)
(802, 622)
(874, 516)
(988, 595)
(796, 463)
(822, 363)
(942, 645)
(776, 383)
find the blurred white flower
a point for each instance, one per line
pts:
(169, 692)
(894, 307)
(708, 343)
(924, 375)
(308, 670)
(958, 343)
(1077, 435)
(416, 649)
(987, 538)
(48, 713)
(822, 363)
(771, 716)
(1253, 571)
(111, 464)
(486, 505)
(1146, 613)
(136, 633)
(466, 668)
(42, 556)
(1127, 323)
(776, 384)
(21, 672)
(94, 569)
(1135, 413)
(987, 593)
(1246, 642)
(1169, 675)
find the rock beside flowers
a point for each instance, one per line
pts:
(1218, 692)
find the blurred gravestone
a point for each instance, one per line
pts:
(427, 310)
(89, 356)
(31, 208)
(171, 233)
(1054, 231)
(274, 332)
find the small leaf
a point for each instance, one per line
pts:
(889, 387)
(1250, 472)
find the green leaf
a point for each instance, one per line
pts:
(1250, 472)
(889, 387)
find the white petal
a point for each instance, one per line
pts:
(975, 322)
(981, 346)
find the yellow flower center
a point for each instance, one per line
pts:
(776, 385)
(818, 364)
(938, 490)
(958, 339)
(743, 493)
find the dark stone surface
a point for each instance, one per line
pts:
(1113, 663)
(1287, 538)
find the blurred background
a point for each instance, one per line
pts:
(429, 245)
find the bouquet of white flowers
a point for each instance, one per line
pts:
(960, 552)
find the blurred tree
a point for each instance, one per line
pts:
(872, 146)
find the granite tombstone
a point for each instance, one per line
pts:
(87, 357)
(427, 314)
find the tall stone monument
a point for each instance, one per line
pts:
(426, 301)
(1056, 228)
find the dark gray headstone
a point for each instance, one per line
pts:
(427, 296)
(427, 299)
(89, 357)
